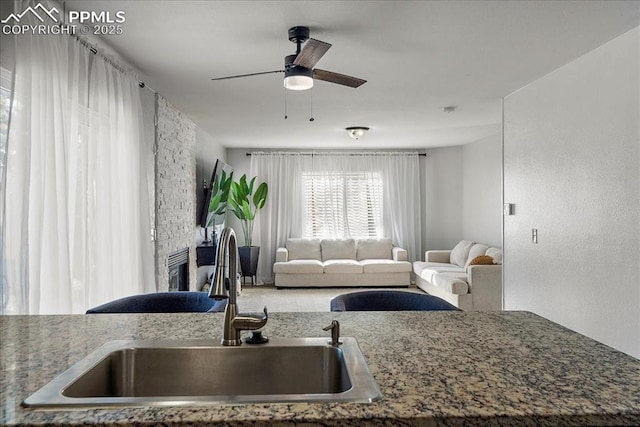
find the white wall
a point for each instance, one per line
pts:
(482, 191)
(238, 159)
(442, 198)
(462, 194)
(572, 168)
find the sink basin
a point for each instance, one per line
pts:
(169, 372)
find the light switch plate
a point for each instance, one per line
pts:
(509, 209)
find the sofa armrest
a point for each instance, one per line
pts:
(399, 254)
(485, 286)
(438, 256)
(282, 255)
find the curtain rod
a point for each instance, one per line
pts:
(337, 153)
(109, 61)
(95, 51)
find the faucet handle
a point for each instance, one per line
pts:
(334, 327)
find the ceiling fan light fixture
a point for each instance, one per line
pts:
(356, 132)
(298, 82)
(296, 77)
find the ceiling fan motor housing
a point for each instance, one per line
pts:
(291, 69)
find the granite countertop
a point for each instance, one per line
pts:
(433, 368)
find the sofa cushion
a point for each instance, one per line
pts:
(338, 249)
(475, 251)
(455, 283)
(342, 266)
(385, 266)
(300, 248)
(460, 253)
(418, 266)
(428, 273)
(374, 249)
(299, 266)
(496, 254)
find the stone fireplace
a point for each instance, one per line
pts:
(175, 198)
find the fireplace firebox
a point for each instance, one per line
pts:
(178, 266)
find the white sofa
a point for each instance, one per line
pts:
(348, 262)
(451, 275)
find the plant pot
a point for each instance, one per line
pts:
(249, 260)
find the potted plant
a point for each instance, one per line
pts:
(218, 200)
(245, 204)
(219, 197)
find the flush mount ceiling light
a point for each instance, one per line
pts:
(356, 132)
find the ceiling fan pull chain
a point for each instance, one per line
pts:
(311, 118)
(285, 102)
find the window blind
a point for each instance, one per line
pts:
(343, 204)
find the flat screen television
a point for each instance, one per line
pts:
(216, 187)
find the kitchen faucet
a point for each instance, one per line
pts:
(334, 327)
(223, 287)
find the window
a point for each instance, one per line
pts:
(342, 204)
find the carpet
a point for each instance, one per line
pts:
(253, 299)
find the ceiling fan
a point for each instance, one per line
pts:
(298, 68)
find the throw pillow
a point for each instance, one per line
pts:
(460, 253)
(374, 249)
(338, 249)
(482, 260)
(496, 254)
(300, 248)
(476, 250)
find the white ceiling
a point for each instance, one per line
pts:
(417, 57)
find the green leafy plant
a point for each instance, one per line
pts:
(245, 204)
(219, 197)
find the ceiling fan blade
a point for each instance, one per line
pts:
(341, 79)
(248, 75)
(311, 53)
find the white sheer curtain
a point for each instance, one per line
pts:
(76, 228)
(284, 214)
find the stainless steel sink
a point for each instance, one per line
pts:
(143, 373)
